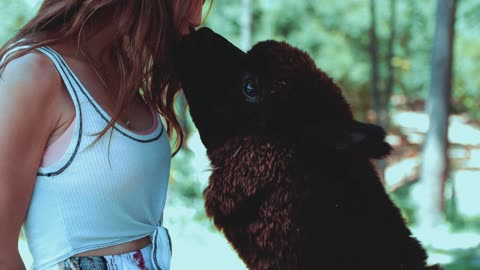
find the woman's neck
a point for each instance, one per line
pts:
(97, 39)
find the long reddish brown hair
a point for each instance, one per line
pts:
(146, 35)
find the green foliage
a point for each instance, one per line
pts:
(465, 260)
(13, 15)
(467, 82)
(401, 198)
(335, 34)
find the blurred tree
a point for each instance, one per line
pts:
(390, 58)
(377, 103)
(381, 99)
(435, 169)
(246, 24)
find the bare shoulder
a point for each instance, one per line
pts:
(30, 88)
(32, 69)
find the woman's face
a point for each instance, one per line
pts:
(191, 20)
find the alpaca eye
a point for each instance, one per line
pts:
(281, 84)
(250, 89)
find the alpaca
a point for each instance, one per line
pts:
(292, 184)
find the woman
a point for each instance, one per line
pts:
(84, 158)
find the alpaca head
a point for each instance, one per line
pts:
(273, 91)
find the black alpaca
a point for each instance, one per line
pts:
(292, 184)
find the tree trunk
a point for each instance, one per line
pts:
(435, 169)
(391, 54)
(374, 62)
(246, 25)
(376, 95)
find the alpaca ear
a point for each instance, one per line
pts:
(363, 138)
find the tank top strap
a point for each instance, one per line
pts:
(68, 77)
(85, 95)
(73, 90)
(11, 50)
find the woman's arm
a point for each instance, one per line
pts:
(29, 88)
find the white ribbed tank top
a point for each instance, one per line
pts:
(100, 196)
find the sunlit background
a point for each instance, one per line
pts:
(339, 35)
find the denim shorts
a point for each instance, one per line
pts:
(136, 260)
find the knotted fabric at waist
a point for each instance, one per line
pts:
(161, 248)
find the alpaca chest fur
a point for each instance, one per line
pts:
(283, 208)
(251, 198)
